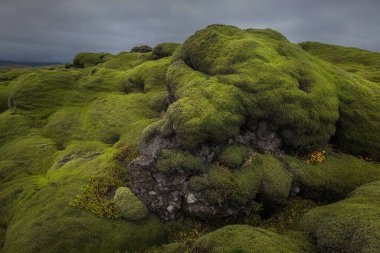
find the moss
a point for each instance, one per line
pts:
(235, 75)
(164, 50)
(334, 178)
(170, 248)
(243, 238)
(103, 79)
(350, 225)
(38, 94)
(354, 60)
(233, 155)
(89, 59)
(171, 160)
(119, 118)
(36, 211)
(34, 154)
(141, 49)
(262, 176)
(147, 77)
(93, 197)
(126, 61)
(129, 206)
(358, 127)
(4, 94)
(12, 126)
(275, 181)
(64, 126)
(222, 187)
(222, 76)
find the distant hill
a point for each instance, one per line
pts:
(16, 64)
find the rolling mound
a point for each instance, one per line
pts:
(157, 149)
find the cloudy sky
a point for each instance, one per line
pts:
(55, 30)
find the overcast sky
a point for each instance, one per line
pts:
(55, 30)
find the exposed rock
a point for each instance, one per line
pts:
(167, 194)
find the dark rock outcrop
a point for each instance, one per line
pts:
(169, 194)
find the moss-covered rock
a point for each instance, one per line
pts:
(164, 50)
(89, 59)
(171, 160)
(246, 239)
(129, 206)
(350, 225)
(222, 78)
(141, 49)
(233, 155)
(334, 178)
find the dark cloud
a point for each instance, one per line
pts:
(55, 30)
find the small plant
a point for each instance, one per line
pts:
(316, 157)
(94, 197)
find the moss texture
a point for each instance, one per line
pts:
(246, 239)
(89, 59)
(354, 60)
(164, 49)
(222, 76)
(351, 225)
(171, 160)
(234, 155)
(334, 178)
(129, 206)
(262, 175)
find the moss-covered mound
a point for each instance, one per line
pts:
(89, 59)
(246, 239)
(333, 178)
(351, 225)
(354, 60)
(164, 49)
(223, 78)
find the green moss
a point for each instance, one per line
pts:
(358, 127)
(350, 225)
(170, 248)
(262, 175)
(129, 206)
(12, 126)
(34, 154)
(141, 49)
(147, 77)
(234, 75)
(233, 155)
(333, 179)
(64, 126)
(354, 60)
(171, 160)
(36, 210)
(275, 181)
(222, 77)
(246, 239)
(126, 61)
(103, 79)
(4, 94)
(164, 49)
(89, 59)
(115, 117)
(94, 198)
(221, 186)
(41, 92)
